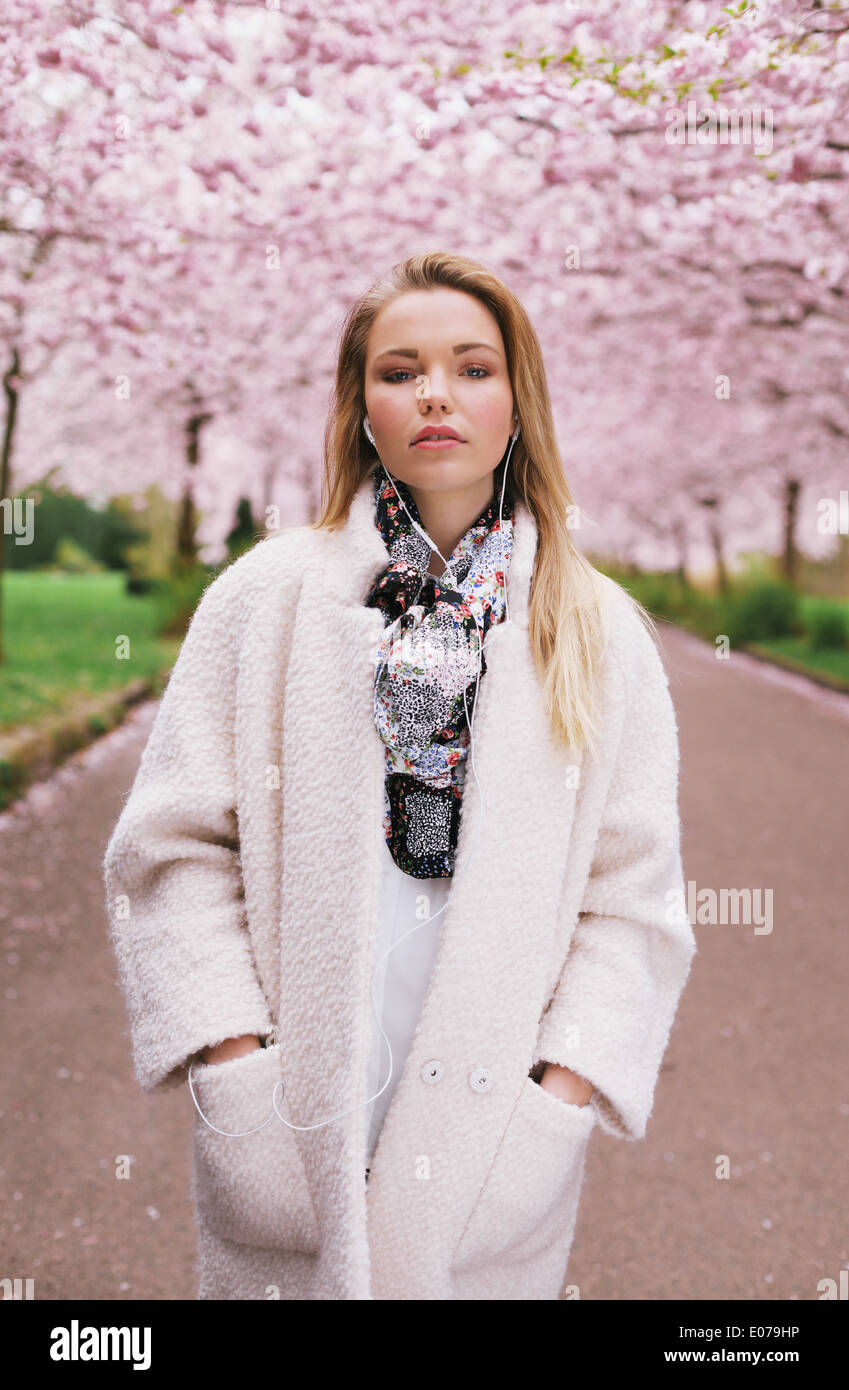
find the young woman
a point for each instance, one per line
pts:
(398, 885)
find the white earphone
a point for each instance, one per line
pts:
(318, 1125)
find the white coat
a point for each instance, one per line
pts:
(242, 885)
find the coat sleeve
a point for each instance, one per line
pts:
(172, 871)
(630, 953)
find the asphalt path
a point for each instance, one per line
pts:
(755, 1076)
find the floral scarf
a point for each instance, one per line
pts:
(427, 659)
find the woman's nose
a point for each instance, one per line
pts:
(435, 391)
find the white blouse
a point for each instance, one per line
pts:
(401, 979)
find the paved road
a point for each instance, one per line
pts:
(756, 1068)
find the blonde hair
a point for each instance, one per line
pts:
(568, 621)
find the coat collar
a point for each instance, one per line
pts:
(364, 555)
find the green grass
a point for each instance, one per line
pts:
(59, 641)
(832, 661)
(60, 632)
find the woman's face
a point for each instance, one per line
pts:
(421, 371)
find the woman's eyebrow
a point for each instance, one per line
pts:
(413, 352)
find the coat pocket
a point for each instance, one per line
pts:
(529, 1201)
(251, 1189)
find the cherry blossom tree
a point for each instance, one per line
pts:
(191, 196)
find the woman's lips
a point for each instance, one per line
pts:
(438, 443)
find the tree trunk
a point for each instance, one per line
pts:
(791, 556)
(187, 523)
(716, 541)
(842, 566)
(11, 390)
(186, 526)
(269, 480)
(681, 538)
(311, 485)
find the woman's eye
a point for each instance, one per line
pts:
(401, 371)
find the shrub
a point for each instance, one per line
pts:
(655, 592)
(73, 558)
(138, 584)
(656, 596)
(175, 599)
(59, 514)
(828, 626)
(698, 611)
(763, 610)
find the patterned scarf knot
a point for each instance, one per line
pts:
(427, 665)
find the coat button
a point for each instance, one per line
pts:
(432, 1070)
(481, 1079)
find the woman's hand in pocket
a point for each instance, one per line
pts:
(566, 1084)
(231, 1047)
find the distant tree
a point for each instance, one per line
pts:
(244, 534)
(104, 533)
